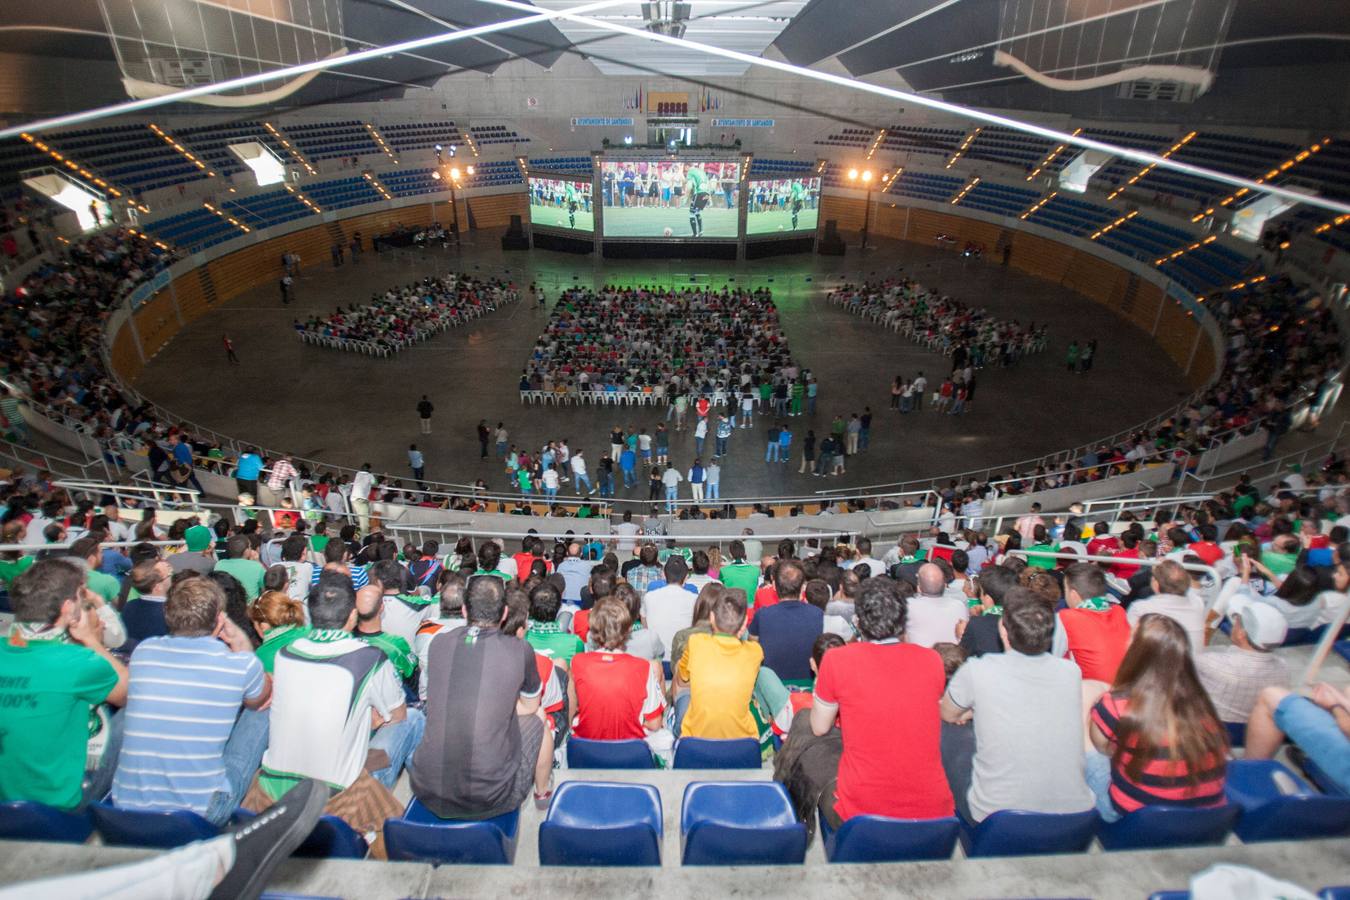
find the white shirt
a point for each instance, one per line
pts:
(1188, 612)
(875, 566)
(422, 642)
(932, 620)
(578, 465)
(701, 429)
(403, 619)
(321, 712)
(626, 532)
(667, 610)
(550, 479)
(362, 485)
(671, 478)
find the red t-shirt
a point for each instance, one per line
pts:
(611, 696)
(887, 696)
(765, 596)
(1163, 781)
(581, 623)
(1097, 640)
(1126, 571)
(1103, 546)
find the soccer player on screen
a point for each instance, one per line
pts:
(570, 196)
(696, 186)
(797, 193)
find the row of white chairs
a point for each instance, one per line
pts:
(626, 398)
(385, 349)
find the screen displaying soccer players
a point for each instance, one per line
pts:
(782, 205)
(561, 203)
(676, 199)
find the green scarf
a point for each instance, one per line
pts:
(1096, 604)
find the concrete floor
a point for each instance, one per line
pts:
(350, 409)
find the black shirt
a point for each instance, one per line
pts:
(981, 635)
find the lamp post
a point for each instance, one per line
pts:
(452, 175)
(865, 176)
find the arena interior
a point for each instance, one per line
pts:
(666, 447)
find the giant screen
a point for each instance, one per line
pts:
(561, 203)
(776, 205)
(663, 198)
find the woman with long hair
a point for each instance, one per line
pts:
(279, 619)
(1157, 736)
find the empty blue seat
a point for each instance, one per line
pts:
(23, 820)
(740, 823)
(587, 754)
(163, 829)
(422, 836)
(1168, 826)
(1277, 805)
(1017, 832)
(1334, 893)
(709, 753)
(869, 839)
(332, 838)
(602, 823)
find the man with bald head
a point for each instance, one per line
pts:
(933, 613)
(575, 572)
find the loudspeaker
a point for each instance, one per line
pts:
(831, 230)
(830, 245)
(517, 241)
(515, 226)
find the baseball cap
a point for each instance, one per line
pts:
(198, 538)
(1265, 625)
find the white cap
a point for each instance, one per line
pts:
(1265, 625)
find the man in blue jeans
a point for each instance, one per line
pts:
(192, 747)
(1319, 724)
(628, 465)
(771, 451)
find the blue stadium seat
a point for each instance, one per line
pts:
(1269, 813)
(1168, 826)
(1017, 832)
(708, 753)
(1170, 895)
(23, 820)
(602, 823)
(588, 754)
(161, 829)
(1320, 779)
(1334, 893)
(422, 836)
(1343, 648)
(332, 838)
(1237, 733)
(872, 839)
(740, 823)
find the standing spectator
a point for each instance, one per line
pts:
(697, 477)
(282, 475)
(1157, 736)
(362, 485)
(853, 432)
(788, 629)
(784, 444)
(772, 451)
(230, 355)
(246, 472)
(487, 739)
(424, 411)
(500, 436)
(877, 774)
(700, 435)
(417, 462)
(712, 474)
(723, 435)
(671, 478)
(57, 670)
(1028, 711)
(628, 466)
(192, 747)
(484, 435)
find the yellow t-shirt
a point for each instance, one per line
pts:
(721, 672)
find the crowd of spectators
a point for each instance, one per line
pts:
(661, 343)
(407, 315)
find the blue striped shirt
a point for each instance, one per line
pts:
(360, 577)
(183, 698)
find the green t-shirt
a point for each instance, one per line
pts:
(249, 572)
(549, 639)
(13, 568)
(698, 181)
(741, 575)
(106, 586)
(1034, 558)
(47, 692)
(797, 191)
(277, 640)
(394, 647)
(318, 542)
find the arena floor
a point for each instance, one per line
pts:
(349, 409)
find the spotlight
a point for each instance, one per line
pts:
(852, 174)
(469, 169)
(628, 140)
(439, 148)
(454, 172)
(436, 176)
(867, 176)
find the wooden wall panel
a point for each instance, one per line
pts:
(847, 211)
(1176, 333)
(125, 359)
(156, 322)
(1144, 311)
(495, 210)
(1203, 365)
(890, 221)
(925, 225)
(1039, 256)
(986, 233)
(1096, 278)
(192, 301)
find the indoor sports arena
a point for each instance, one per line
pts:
(484, 447)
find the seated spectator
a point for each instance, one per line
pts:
(1027, 710)
(979, 634)
(616, 695)
(933, 614)
(1319, 725)
(545, 633)
(487, 740)
(665, 610)
(241, 561)
(401, 612)
(958, 740)
(299, 570)
(489, 561)
(642, 641)
(450, 615)
(144, 614)
(575, 572)
(641, 572)
(817, 593)
(200, 555)
(1158, 739)
(1173, 597)
(719, 671)
(426, 569)
(553, 700)
(1234, 676)
(1094, 631)
(699, 564)
(337, 557)
(328, 690)
(192, 747)
(877, 774)
(787, 630)
(57, 673)
(279, 620)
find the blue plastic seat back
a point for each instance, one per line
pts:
(602, 823)
(1321, 779)
(1343, 648)
(587, 754)
(710, 753)
(422, 836)
(1170, 895)
(163, 829)
(1277, 805)
(867, 839)
(23, 820)
(1017, 832)
(1169, 826)
(740, 823)
(1334, 893)
(332, 838)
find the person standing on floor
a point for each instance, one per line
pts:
(697, 477)
(417, 463)
(424, 411)
(501, 437)
(285, 285)
(229, 349)
(808, 452)
(484, 435)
